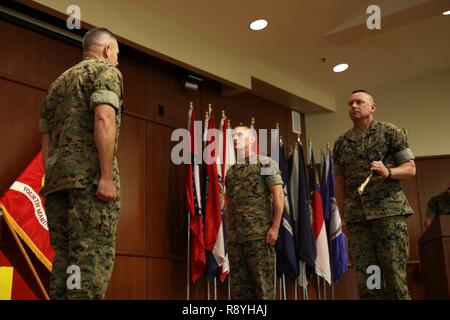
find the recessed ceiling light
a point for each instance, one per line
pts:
(340, 67)
(446, 13)
(258, 24)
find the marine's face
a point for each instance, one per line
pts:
(360, 106)
(241, 138)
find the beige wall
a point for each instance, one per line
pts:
(173, 43)
(421, 105)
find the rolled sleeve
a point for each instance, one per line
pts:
(43, 126)
(273, 180)
(105, 97)
(403, 156)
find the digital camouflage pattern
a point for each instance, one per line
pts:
(376, 225)
(68, 116)
(384, 243)
(252, 260)
(83, 233)
(82, 227)
(250, 198)
(439, 205)
(353, 152)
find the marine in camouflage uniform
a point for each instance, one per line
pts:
(250, 207)
(375, 220)
(82, 227)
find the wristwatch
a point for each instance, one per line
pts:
(389, 173)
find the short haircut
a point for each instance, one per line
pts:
(94, 36)
(359, 90)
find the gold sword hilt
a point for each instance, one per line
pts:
(364, 184)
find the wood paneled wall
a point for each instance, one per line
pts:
(151, 243)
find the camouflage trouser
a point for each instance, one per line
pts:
(82, 233)
(384, 243)
(252, 266)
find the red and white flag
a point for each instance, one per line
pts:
(193, 202)
(23, 206)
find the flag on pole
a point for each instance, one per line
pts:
(323, 257)
(304, 235)
(339, 256)
(194, 205)
(285, 245)
(216, 255)
(324, 190)
(23, 206)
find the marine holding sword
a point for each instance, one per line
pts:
(370, 160)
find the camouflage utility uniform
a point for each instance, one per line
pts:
(82, 227)
(376, 220)
(250, 206)
(439, 205)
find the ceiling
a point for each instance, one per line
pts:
(414, 38)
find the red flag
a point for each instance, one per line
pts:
(24, 209)
(323, 256)
(213, 212)
(193, 202)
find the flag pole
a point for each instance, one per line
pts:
(215, 288)
(295, 289)
(229, 285)
(318, 288)
(306, 284)
(25, 255)
(188, 282)
(279, 289)
(284, 287)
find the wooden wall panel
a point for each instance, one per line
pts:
(59, 57)
(166, 90)
(134, 79)
(166, 197)
(24, 54)
(20, 108)
(131, 156)
(166, 279)
(128, 279)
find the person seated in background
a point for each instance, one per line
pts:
(438, 205)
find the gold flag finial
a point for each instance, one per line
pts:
(191, 105)
(253, 120)
(223, 114)
(206, 114)
(210, 107)
(277, 125)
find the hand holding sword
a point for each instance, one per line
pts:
(379, 168)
